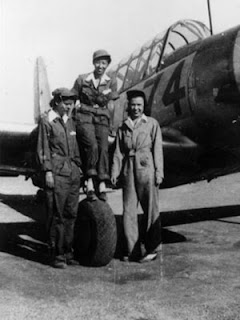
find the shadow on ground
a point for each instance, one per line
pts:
(25, 239)
(28, 239)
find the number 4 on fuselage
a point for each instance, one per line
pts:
(192, 82)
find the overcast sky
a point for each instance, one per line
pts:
(66, 32)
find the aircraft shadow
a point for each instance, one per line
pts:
(172, 218)
(167, 236)
(28, 239)
(25, 239)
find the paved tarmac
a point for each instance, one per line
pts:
(196, 275)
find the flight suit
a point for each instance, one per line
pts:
(92, 122)
(58, 152)
(139, 158)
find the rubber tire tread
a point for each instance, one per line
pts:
(97, 248)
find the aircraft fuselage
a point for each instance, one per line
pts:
(193, 91)
(196, 99)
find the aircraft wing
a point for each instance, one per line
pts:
(15, 148)
(186, 161)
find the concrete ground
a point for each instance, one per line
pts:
(196, 275)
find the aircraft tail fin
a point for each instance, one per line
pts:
(42, 93)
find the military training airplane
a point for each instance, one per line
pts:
(192, 82)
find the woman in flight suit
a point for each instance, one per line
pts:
(60, 162)
(96, 91)
(139, 158)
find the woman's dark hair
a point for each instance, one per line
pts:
(136, 94)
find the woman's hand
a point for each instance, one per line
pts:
(113, 180)
(49, 179)
(158, 180)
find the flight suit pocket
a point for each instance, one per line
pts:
(60, 166)
(143, 161)
(65, 170)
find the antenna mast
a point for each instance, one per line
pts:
(210, 17)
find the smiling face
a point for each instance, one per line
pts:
(100, 65)
(136, 107)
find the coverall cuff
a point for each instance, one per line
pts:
(158, 174)
(103, 177)
(91, 173)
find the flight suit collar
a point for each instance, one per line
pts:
(103, 80)
(52, 115)
(129, 122)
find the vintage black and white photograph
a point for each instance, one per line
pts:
(120, 160)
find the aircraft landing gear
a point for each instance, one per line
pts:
(95, 235)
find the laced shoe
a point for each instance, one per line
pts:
(102, 196)
(125, 258)
(59, 262)
(70, 260)
(148, 257)
(91, 195)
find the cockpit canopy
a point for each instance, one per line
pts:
(146, 60)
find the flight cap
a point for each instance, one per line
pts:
(64, 94)
(103, 54)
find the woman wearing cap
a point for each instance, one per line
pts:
(139, 158)
(95, 90)
(58, 154)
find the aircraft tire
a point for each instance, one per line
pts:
(95, 235)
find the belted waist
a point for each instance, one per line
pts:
(62, 165)
(56, 156)
(132, 152)
(95, 110)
